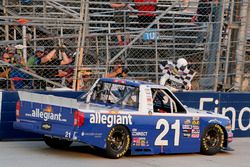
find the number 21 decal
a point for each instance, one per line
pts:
(176, 126)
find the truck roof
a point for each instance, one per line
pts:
(128, 82)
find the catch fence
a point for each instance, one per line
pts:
(210, 35)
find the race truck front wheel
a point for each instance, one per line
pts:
(57, 143)
(212, 140)
(118, 142)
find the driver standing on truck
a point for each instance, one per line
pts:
(177, 76)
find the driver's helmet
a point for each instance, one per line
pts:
(182, 63)
(99, 86)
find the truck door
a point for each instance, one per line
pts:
(174, 129)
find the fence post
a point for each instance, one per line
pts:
(241, 46)
(75, 78)
(24, 28)
(6, 27)
(228, 49)
(217, 50)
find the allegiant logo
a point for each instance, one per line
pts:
(36, 113)
(110, 119)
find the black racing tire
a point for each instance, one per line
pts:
(57, 143)
(212, 139)
(118, 142)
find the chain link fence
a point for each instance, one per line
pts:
(82, 41)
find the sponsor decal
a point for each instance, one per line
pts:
(195, 131)
(187, 122)
(48, 109)
(139, 133)
(196, 118)
(111, 119)
(140, 141)
(187, 130)
(196, 127)
(136, 141)
(214, 121)
(46, 126)
(36, 113)
(186, 134)
(143, 134)
(149, 100)
(96, 135)
(186, 126)
(134, 130)
(148, 91)
(195, 135)
(143, 142)
(113, 112)
(149, 107)
(195, 122)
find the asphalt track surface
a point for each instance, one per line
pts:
(37, 154)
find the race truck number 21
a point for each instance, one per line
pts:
(159, 141)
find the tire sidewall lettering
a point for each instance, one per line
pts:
(122, 151)
(220, 132)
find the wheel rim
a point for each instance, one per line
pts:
(212, 138)
(117, 140)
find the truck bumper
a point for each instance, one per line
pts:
(24, 126)
(56, 130)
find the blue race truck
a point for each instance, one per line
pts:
(119, 116)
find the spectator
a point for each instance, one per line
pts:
(202, 18)
(19, 79)
(67, 77)
(47, 64)
(40, 57)
(177, 76)
(121, 18)
(15, 79)
(51, 70)
(119, 70)
(5, 83)
(147, 11)
(10, 51)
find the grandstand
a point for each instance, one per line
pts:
(89, 30)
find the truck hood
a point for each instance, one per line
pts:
(204, 113)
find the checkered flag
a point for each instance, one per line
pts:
(175, 77)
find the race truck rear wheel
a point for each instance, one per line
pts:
(57, 143)
(118, 142)
(212, 140)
